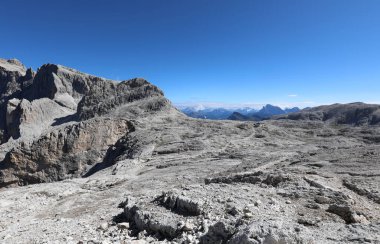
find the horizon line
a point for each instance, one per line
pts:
(215, 105)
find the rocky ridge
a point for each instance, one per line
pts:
(353, 114)
(116, 163)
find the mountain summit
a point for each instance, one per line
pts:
(265, 112)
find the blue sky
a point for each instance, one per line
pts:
(286, 52)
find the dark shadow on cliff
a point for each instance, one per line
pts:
(113, 152)
(97, 167)
(68, 118)
(122, 149)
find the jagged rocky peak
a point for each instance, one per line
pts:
(110, 96)
(61, 79)
(68, 87)
(63, 85)
(58, 83)
(12, 65)
(14, 79)
(12, 74)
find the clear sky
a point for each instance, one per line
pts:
(286, 52)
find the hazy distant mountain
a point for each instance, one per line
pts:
(269, 110)
(208, 113)
(238, 113)
(245, 111)
(265, 113)
(238, 116)
(292, 110)
(242, 117)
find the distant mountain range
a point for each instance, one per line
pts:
(265, 112)
(208, 113)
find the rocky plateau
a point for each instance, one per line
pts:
(85, 159)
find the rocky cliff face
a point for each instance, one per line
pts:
(14, 77)
(60, 122)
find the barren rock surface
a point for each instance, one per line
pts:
(116, 163)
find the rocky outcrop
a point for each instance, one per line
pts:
(29, 119)
(64, 85)
(347, 214)
(108, 96)
(250, 177)
(180, 204)
(161, 223)
(63, 153)
(351, 114)
(12, 118)
(14, 77)
(63, 121)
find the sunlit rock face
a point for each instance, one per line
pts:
(61, 122)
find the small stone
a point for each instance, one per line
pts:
(312, 206)
(103, 226)
(138, 242)
(322, 200)
(272, 201)
(149, 239)
(181, 223)
(188, 227)
(232, 210)
(190, 238)
(356, 218)
(123, 226)
(141, 235)
(246, 209)
(307, 222)
(288, 202)
(257, 203)
(221, 201)
(248, 215)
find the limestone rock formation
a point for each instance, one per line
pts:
(13, 78)
(62, 153)
(88, 160)
(51, 120)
